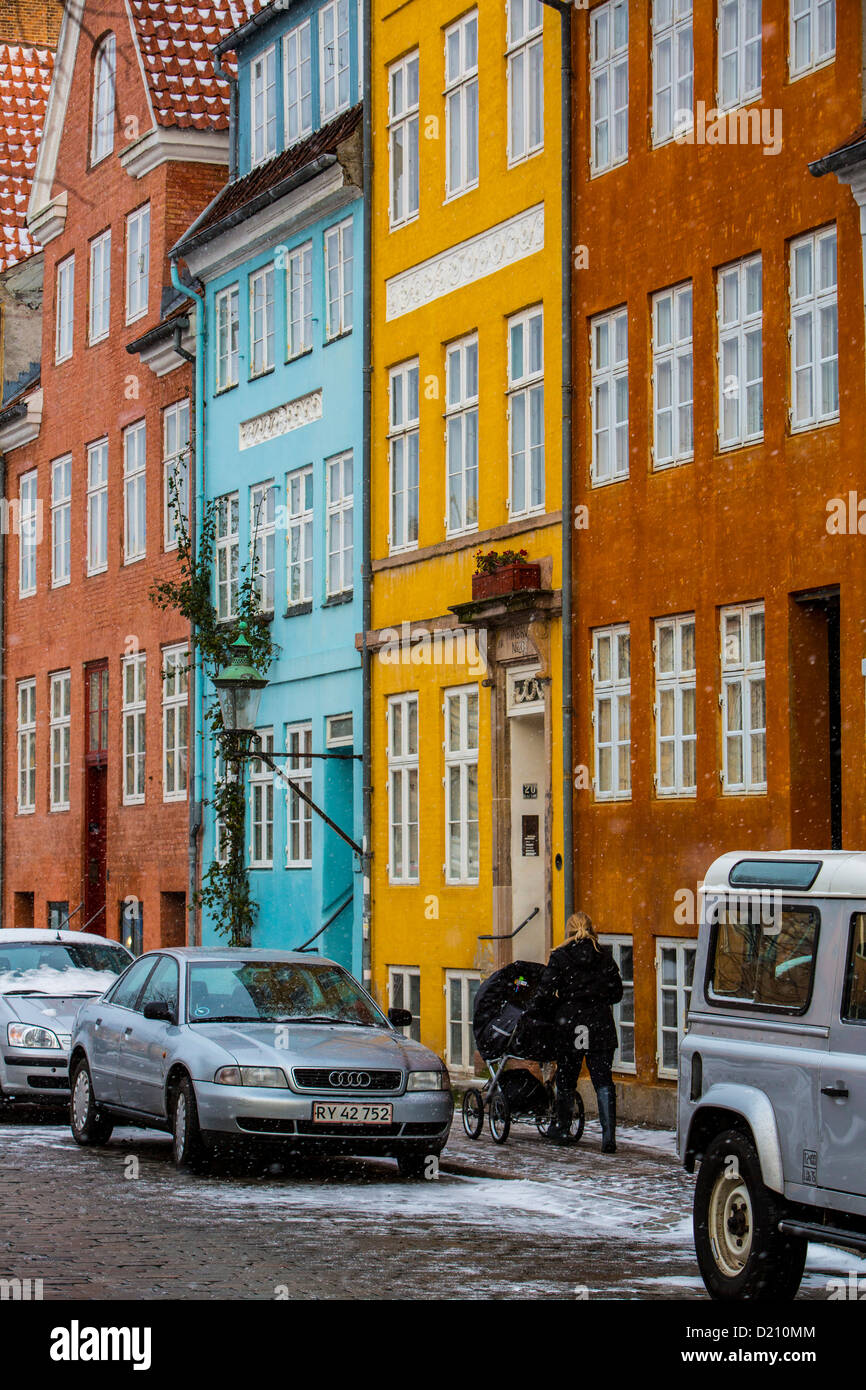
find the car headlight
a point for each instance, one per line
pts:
(251, 1076)
(427, 1081)
(28, 1035)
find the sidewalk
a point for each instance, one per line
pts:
(526, 1155)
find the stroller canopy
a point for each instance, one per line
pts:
(500, 1001)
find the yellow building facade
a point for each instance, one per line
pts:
(466, 457)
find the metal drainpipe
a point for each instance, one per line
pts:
(196, 682)
(366, 469)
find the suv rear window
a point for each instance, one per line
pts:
(761, 964)
(854, 1003)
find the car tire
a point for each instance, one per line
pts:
(188, 1148)
(88, 1123)
(741, 1253)
(415, 1165)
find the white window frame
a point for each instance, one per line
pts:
(263, 106)
(261, 779)
(682, 947)
(340, 520)
(464, 1022)
(401, 979)
(740, 327)
(176, 453)
(404, 181)
(26, 740)
(671, 353)
(104, 100)
(298, 83)
(609, 368)
(64, 337)
(261, 296)
(28, 531)
(611, 686)
(464, 760)
(134, 718)
(608, 47)
(812, 307)
(743, 670)
(263, 540)
(523, 388)
(97, 506)
(300, 536)
(134, 492)
(334, 738)
(299, 816)
(461, 429)
(736, 53)
(137, 263)
(403, 773)
(299, 300)
(461, 107)
(617, 943)
(227, 311)
(340, 267)
(673, 70)
(175, 722)
(61, 521)
(404, 455)
(525, 78)
(99, 323)
(810, 13)
(60, 719)
(334, 44)
(226, 550)
(680, 681)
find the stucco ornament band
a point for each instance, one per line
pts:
(284, 418)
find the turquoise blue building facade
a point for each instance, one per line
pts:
(280, 255)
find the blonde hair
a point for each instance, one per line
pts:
(579, 927)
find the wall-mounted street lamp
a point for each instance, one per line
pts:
(239, 687)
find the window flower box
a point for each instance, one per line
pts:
(506, 579)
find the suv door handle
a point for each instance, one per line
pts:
(837, 1092)
(127, 1031)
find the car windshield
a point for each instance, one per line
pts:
(277, 992)
(60, 967)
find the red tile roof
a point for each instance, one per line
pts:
(25, 77)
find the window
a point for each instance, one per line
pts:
(223, 772)
(65, 309)
(741, 362)
(299, 292)
(461, 785)
(134, 492)
(339, 731)
(97, 709)
(227, 325)
(403, 139)
(403, 789)
(334, 58)
(26, 747)
(461, 434)
(175, 469)
(762, 953)
(744, 699)
(405, 456)
(175, 706)
(814, 330)
(609, 336)
(404, 992)
(526, 411)
(675, 706)
(739, 31)
(262, 804)
(103, 100)
(163, 985)
(299, 536)
(675, 968)
(461, 105)
(97, 507)
(263, 541)
(299, 83)
(125, 993)
(341, 554)
(263, 101)
(299, 766)
(854, 999)
(60, 713)
(339, 277)
(673, 69)
(58, 915)
(672, 376)
(133, 716)
(28, 533)
(100, 287)
(623, 1012)
(525, 78)
(227, 556)
(262, 321)
(608, 84)
(611, 715)
(137, 263)
(461, 987)
(813, 34)
(61, 520)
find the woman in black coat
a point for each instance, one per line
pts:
(577, 989)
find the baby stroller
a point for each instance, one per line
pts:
(502, 1033)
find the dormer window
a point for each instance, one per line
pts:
(263, 95)
(103, 99)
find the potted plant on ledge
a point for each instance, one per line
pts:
(500, 572)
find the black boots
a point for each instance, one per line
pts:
(606, 1096)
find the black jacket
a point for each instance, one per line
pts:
(578, 987)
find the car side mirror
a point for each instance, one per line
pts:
(401, 1018)
(159, 1010)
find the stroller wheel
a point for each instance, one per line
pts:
(578, 1119)
(473, 1113)
(499, 1118)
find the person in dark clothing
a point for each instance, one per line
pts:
(576, 992)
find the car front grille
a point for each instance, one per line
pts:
(321, 1131)
(358, 1079)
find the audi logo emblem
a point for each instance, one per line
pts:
(349, 1080)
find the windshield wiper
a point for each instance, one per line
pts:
(228, 1018)
(323, 1018)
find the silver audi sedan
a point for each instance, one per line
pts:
(227, 1046)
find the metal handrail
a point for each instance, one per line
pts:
(333, 917)
(506, 936)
